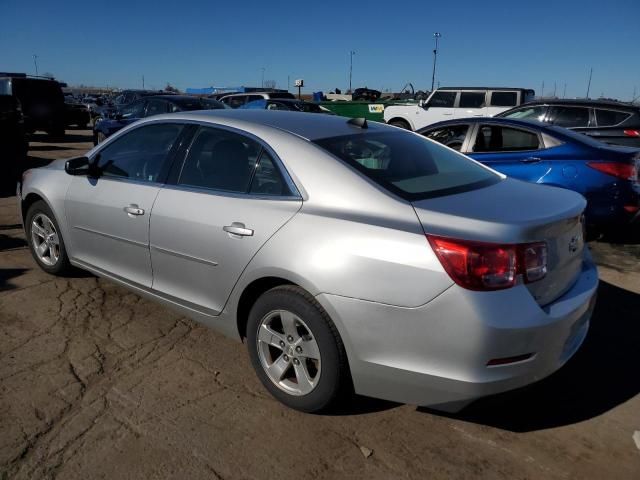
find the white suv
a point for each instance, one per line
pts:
(456, 102)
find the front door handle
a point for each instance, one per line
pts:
(133, 210)
(237, 228)
(531, 160)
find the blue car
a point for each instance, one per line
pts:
(148, 106)
(607, 176)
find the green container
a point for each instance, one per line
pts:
(359, 109)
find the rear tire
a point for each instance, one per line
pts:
(397, 122)
(296, 350)
(45, 240)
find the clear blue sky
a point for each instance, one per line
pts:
(201, 43)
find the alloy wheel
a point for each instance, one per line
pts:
(45, 240)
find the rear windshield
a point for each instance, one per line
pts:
(281, 95)
(409, 165)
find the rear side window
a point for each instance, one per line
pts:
(442, 100)
(139, 154)
(267, 179)
(472, 100)
(570, 117)
(609, 118)
(156, 107)
(235, 102)
(452, 136)
(530, 113)
(494, 138)
(409, 165)
(504, 99)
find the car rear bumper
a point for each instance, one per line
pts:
(436, 355)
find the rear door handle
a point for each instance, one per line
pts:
(531, 160)
(237, 228)
(133, 210)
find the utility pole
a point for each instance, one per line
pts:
(564, 92)
(554, 89)
(143, 82)
(633, 98)
(589, 85)
(262, 84)
(436, 35)
(35, 62)
(288, 81)
(351, 54)
(542, 91)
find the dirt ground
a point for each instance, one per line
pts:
(96, 382)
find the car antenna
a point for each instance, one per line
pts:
(358, 122)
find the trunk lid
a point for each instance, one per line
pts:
(512, 211)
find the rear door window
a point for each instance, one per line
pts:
(443, 100)
(569, 117)
(609, 118)
(220, 160)
(504, 99)
(409, 165)
(156, 107)
(472, 99)
(496, 138)
(235, 102)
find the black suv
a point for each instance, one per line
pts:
(607, 121)
(13, 141)
(41, 98)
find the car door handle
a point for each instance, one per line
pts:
(133, 210)
(237, 228)
(531, 160)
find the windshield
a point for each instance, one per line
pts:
(409, 165)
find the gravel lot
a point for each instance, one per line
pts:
(96, 382)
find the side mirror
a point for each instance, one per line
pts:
(80, 166)
(424, 104)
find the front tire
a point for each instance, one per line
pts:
(296, 350)
(45, 239)
(397, 122)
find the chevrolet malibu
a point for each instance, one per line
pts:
(347, 256)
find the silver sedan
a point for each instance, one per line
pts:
(348, 256)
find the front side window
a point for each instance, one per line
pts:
(409, 165)
(609, 118)
(235, 102)
(495, 138)
(570, 117)
(220, 160)
(504, 99)
(442, 100)
(472, 100)
(452, 136)
(528, 113)
(139, 154)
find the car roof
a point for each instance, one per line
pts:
(171, 97)
(581, 103)
(495, 120)
(309, 126)
(483, 88)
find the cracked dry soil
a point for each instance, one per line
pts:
(96, 382)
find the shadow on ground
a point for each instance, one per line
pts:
(602, 375)
(68, 138)
(7, 274)
(9, 243)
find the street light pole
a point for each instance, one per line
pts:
(262, 77)
(35, 62)
(351, 54)
(435, 56)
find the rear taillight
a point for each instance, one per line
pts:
(490, 266)
(625, 171)
(632, 133)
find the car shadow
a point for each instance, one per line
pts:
(7, 274)
(48, 148)
(75, 137)
(14, 170)
(9, 243)
(602, 375)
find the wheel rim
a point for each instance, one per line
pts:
(45, 240)
(288, 352)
